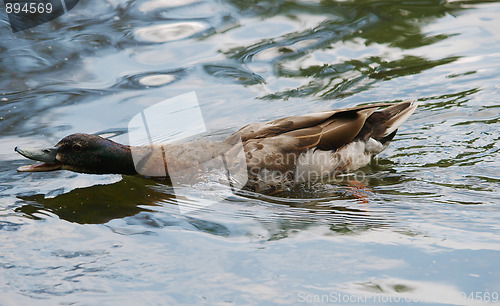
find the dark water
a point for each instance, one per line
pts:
(429, 230)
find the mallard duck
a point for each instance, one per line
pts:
(284, 151)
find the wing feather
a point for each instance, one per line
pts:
(284, 125)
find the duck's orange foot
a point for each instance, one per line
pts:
(359, 191)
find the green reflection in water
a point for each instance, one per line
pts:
(96, 204)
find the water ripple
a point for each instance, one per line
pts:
(151, 79)
(237, 73)
(169, 32)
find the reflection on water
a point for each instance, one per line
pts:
(423, 225)
(96, 204)
(168, 32)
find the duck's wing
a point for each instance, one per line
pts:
(326, 130)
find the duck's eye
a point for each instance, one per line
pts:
(76, 147)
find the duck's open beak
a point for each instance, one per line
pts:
(47, 156)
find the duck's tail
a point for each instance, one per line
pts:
(382, 125)
(396, 114)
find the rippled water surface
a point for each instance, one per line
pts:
(426, 228)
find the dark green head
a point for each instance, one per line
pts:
(81, 153)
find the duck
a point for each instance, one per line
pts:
(278, 154)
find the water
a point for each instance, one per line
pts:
(426, 229)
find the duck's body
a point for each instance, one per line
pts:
(284, 151)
